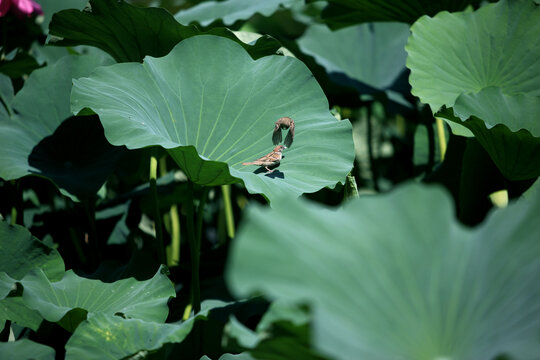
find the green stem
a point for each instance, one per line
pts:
(157, 214)
(194, 251)
(442, 137)
(372, 164)
(229, 216)
(175, 235)
(200, 214)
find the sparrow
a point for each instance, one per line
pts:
(270, 159)
(283, 123)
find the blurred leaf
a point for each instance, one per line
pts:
(36, 140)
(341, 13)
(145, 300)
(129, 33)
(21, 252)
(372, 54)
(51, 7)
(466, 52)
(230, 11)
(225, 108)
(423, 288)
(110, 337)
(21, 64)
(6, 95)
(25, 349)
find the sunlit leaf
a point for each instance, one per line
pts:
(110, 337)
(483, 64)
(214, 113)
(145, 300)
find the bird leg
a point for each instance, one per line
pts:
(269, 171)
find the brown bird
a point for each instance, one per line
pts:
(270, 159)
(283, 123)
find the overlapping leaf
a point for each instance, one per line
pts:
(51, 7)
(145, 300)
(21, 252)
(423, 288)
(36, 139)
(341, 13)
(214, 112)
(230, 11)
(484, 64)
(129, 33)
(25, 349)
(460, 53)
(372, 54)
(110, 337)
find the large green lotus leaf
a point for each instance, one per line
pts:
(341, 13)
(21, 252)
(25, 349)
(230, 11)
(37, 140)
(129, 33)
(103, 336)
(506, 126)
(395, 276)
(146, 300)
(459, 53)
(214, 112)
(372, 54)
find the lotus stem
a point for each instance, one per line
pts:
(173, 256)
(442, 137)
(370, 147)
(175, 236)
(194, 248)
(229, 216)
(157, 215)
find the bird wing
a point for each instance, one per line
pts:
(290, 135)
(276, 136)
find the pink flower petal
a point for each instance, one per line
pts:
(26, 7)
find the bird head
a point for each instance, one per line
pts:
(279, 148)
